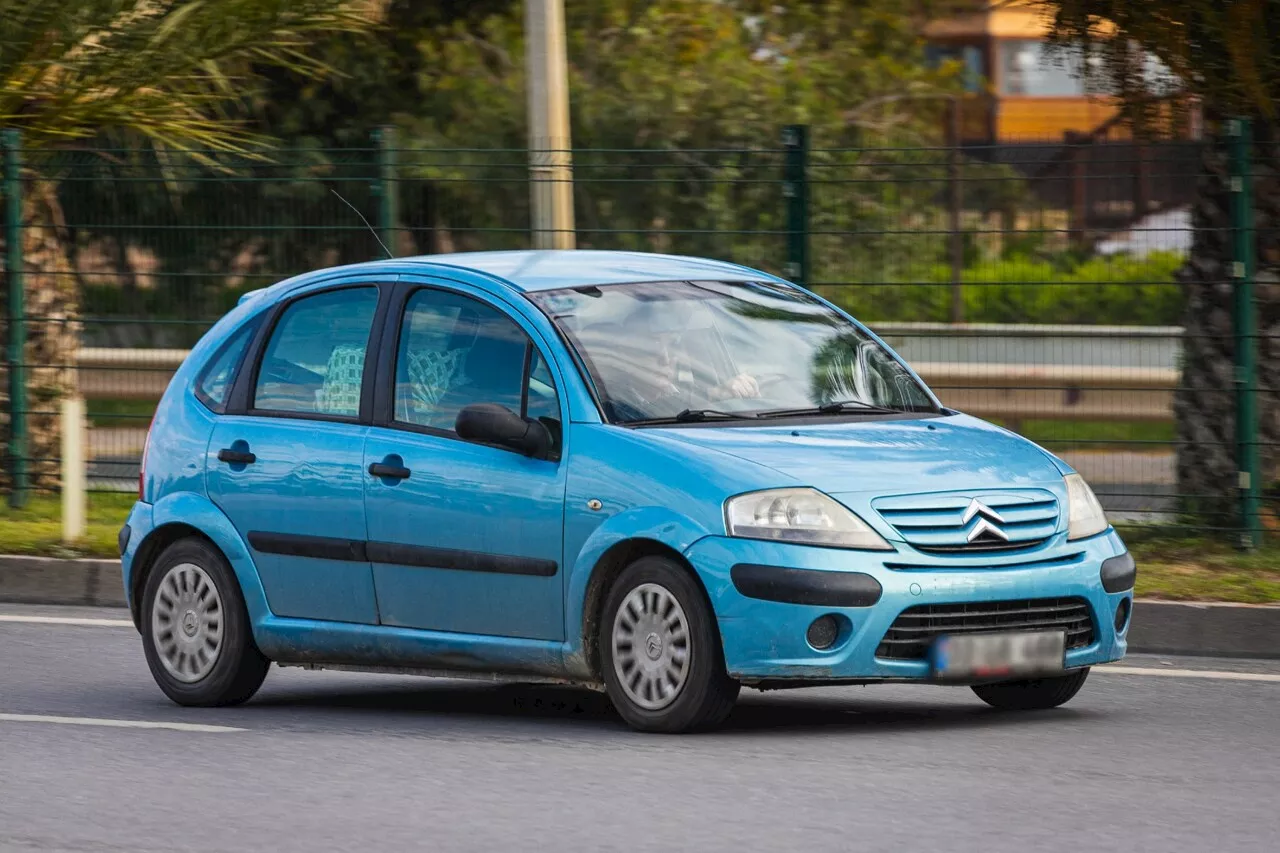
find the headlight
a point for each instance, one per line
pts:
(803, 516)
(1084, 514)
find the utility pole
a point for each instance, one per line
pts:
(550, 160)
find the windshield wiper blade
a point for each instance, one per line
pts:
(833, 408)
(707, 414)
(693, 416)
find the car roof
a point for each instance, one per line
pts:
(533, 270)
(527, 271)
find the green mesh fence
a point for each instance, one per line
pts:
(1032, 284)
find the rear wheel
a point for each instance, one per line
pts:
(661, 654)
(1035, 694)
(195, 628)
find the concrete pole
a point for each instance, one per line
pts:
(550, 160)
(74, 497)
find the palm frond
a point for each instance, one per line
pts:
(164, 69)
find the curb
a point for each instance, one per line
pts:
(53, 580)
(1213, 629)
(1159, 627)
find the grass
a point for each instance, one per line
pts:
(120, 413)
(37, 527)
(1136, 436)
(1197, 569)
(1177, 569)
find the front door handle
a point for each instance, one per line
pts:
(394, 472)
(236, 457)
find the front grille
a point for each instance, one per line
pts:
(911, 634)
(979, 547)
(1035, 562)
(936, 523)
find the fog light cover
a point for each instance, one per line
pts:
(823, 632)
(1122, 614)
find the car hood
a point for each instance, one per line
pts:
(887, 456)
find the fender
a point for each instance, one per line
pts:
(201, 513)
(677, 532)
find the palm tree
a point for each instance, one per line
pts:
(174, 75)
(1227, 54)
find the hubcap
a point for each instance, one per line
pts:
(651, 646)
(186, 623)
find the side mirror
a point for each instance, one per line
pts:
(491, 423)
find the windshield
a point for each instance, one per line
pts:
(675, 350)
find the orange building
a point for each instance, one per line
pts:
(1022, 88)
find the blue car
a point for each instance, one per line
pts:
(658, 476)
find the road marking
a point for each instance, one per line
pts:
(67, 620)
(1188, 673)
(116, 724)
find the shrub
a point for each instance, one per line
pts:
(1064, 289)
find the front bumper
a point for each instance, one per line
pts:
(765, 640)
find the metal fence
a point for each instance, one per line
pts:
(1031, 284)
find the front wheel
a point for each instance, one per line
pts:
(1035, 694)
(661, 654)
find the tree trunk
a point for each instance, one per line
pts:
(1205, 404)
(53, 334)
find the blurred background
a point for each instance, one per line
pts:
(1027, 203)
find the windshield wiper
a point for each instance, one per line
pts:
(694, 415)
(833, 408)
(707, 414)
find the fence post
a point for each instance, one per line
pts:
(795, 188)
(11, 141)
(955, 201)
(74, 499)
(388, 186)
(1077, 191)
(1245, 325)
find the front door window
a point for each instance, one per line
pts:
(455, 351)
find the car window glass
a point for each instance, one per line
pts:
(655, 349)
(542, 402)
(888, 380)
(455, 351)
(314, 362)
(220, 374)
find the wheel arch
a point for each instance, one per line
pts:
(607, 569)
(149, 551)
(190, 514)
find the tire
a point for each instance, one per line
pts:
(192, 604)
(635, 679)
(1035, 694)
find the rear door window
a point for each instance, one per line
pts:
(314, 362)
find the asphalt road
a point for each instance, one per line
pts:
(1141, 760)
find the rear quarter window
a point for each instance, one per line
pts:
(214, 384)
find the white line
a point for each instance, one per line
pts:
(1187, 673)
(116, 724)
(67, 620)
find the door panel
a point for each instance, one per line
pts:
(470, 541)
(464, 537)
(287, 462)
(300, 505)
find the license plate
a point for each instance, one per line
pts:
(999, 655)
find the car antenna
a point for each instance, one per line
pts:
(366, 223)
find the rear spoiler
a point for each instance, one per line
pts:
(251, 295)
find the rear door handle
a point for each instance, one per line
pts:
(394, 472)
(236, 457)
